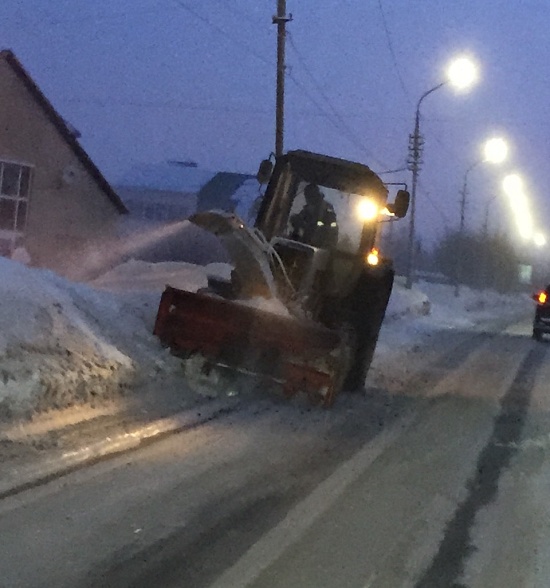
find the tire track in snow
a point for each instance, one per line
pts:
(448, 564)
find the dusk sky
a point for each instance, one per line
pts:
(145, 81)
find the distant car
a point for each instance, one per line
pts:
(541, 322)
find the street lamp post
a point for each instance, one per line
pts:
(495, 151)
(460, 248)
(461, 74)
(486, 216)
(415, 148)
(485, 240)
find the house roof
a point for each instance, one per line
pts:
(66, 131)
(217, 192)
(170, 176)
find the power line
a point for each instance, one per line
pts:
(435, 206)
(54, 21)
(340, 121)
(221, 31)
(181, 105)
(342, 125)
(392, 171)
(392, 52)
(169, 104)
(242, 13)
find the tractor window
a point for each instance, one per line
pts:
(325, 217)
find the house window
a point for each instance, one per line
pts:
(15, 182)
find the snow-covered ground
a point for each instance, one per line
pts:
(65, 344)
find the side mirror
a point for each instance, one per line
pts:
(401, 205)
(264, 171)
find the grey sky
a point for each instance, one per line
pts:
(147, 80)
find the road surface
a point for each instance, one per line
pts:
(439, 479)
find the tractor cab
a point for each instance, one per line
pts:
(350, 196)
(321, 215)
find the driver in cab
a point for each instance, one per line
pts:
(316, 223)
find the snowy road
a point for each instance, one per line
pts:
(436, 479)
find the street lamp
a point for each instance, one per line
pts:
(539, 240)
(513, 186)
(495, 151)
(461, 74)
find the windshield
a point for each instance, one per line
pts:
(326, 217)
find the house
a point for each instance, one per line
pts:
(156, 193)
(54, 201)
(173, 190)
(160, 196)
(229, 191)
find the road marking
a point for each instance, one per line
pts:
(273, 544)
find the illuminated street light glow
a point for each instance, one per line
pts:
(525, 226)
(512, 184)
(518, 202)
(462, 73)
(539, 240)
(495, 150)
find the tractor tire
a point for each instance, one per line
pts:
(537, 335)
(361, 358)
(366, 327)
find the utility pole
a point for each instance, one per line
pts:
(461, 248)
(461, 228)
(416, 143)
(280, 20)
(415, 161)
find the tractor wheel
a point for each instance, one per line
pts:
(537, 335)
(361, 358)
(365, 327)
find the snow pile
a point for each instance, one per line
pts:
(470, 307)
(441, 307)
(65, 344)
(407, 302)
(60, 342)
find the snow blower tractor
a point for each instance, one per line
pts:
(308, 289)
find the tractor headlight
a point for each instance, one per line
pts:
(367, 209)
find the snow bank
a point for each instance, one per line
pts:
(404, 302)
(48, 344)
(64, 344)
(441, 308)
